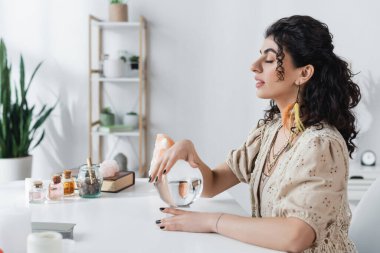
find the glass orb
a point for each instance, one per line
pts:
(181, 186)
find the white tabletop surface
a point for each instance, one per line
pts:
(125, 221)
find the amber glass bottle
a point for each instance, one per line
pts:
(68, 183)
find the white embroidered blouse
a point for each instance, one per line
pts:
(309, 182)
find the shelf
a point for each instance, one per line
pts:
(117, 80)
(359, 183)
(106, 24)
(134, 133)
(98, 95)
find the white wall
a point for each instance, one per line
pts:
(199, 79)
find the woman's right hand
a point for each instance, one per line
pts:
(181, 150)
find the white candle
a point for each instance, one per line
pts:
(45, 242)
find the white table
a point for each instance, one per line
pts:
(125, 221)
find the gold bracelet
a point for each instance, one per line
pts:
(217, 221)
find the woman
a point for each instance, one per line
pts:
(296, 159)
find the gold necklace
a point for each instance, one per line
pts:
(279, 152)
(271, 164)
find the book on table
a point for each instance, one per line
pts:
(65, 229)
(121, 181)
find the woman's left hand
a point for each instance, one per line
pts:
(188, 221)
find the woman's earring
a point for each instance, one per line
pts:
(296, 111)
(287, 117)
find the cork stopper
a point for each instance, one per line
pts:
(56, 179)
(37, 184)
(67, 174)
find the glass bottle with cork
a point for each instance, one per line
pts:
(68, 183)
(55, 189)
(37, 193)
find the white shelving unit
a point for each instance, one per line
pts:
(360, 179)
(96, 79)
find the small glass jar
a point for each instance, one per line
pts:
(89, 181)
(55, 192)
(68, 183)
(37, 192)
(101, 63)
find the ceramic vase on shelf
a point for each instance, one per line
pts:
(106, 117)
(131, 120)
(114, 68)
(134, 61)
(124, 55)
(118, 11)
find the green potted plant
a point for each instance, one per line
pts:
(118, 11)
(19, 122)
(134, 61)
(107, 117)
(131, 119)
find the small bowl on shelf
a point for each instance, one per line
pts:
(114, 68)
(131, 119)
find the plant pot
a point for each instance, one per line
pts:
(131, 121)
(107, 119)
(114, 68)
(118, 12)
(12, 169)
(134, 65)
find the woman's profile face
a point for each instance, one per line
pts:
(268, 84)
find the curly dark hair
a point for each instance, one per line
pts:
(330, 94)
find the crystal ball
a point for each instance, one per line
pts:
(181, 186)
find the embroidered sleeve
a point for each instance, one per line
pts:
(241, 160)
(315, 187)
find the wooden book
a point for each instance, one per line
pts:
(121, 181)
